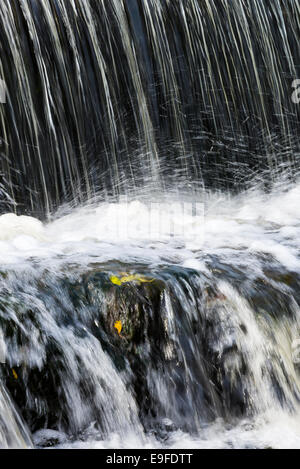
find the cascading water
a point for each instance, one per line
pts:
(124, 321)
(186, 90)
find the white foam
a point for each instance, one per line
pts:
(12, 226)
(131, 232)
(280, 431)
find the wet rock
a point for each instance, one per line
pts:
(48, 438)
(181, 350)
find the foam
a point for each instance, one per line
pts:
(252, 222)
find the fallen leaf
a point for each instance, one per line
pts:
(130, 278)
(115, 280)
(118, 326)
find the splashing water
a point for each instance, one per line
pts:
(205, 354)
(109, 95)
(149, 178)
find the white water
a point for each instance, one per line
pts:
(239, 230)
(12, 432)
(278, 431)
(253, 222)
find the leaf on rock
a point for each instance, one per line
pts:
(115, 280)
(118, 326)
(130, 278)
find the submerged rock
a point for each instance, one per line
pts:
(47, 438)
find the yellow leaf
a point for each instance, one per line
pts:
(146, 280)
(115, 280)
(129, 278)
(118, 326)
(14, 374)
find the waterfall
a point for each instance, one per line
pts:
(13, 432)
(137, 90)
(149, 223)
(207, 333)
